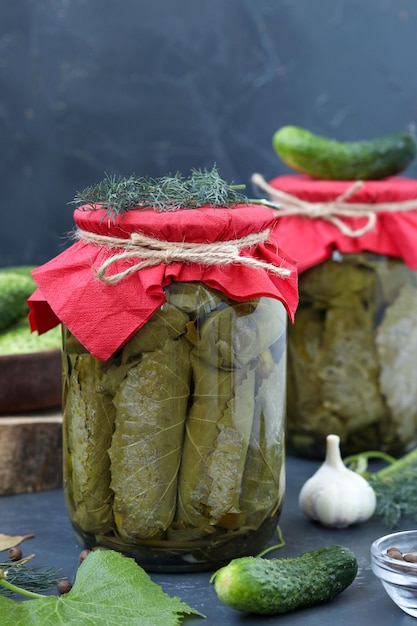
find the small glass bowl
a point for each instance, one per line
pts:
(398, 577)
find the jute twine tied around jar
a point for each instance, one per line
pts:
(152, 251)
(331, 211)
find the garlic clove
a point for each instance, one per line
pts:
(336, 496)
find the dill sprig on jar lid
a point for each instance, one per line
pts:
(111, 216)
(119, 194)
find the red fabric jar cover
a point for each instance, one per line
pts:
(312, 240)
(103, 316)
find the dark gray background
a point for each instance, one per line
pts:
(159, 86)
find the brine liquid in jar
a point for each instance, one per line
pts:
(352, 364)
(174, 446)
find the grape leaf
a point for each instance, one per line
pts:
(110, 590)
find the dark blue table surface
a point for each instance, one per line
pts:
(364, 602)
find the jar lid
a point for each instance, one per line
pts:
(109, 283)
(386, 222)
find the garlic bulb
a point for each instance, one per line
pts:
(335, 495)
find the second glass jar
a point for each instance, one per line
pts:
(352, 356)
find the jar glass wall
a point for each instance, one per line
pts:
(174, 447)
(352, 356)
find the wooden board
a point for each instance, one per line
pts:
(30, 452)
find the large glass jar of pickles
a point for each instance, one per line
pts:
(174, 446)
(174, 381)
(352, 351)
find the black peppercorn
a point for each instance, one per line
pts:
(83, 554)
(64, 586)
(15, 554)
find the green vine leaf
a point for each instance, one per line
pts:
(109, 589)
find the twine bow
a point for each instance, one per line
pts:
(333, 210)
(151, 251)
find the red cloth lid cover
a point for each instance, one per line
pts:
(312, 240)
(104, 316)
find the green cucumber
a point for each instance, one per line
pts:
(20, 340)
(15, 289)
(25, 270)
(323, 158)
(270, 586)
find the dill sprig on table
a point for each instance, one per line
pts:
(396, 499)
(118, 194)
(396, 489)
(34, 579)
(395, 485)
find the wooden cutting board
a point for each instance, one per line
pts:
(30, 451)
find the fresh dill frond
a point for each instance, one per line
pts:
(34, 579)
(395, 485)
(396, 498)
(207, 187)
(118, 194)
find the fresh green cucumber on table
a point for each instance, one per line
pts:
(323, 158)
(270, 586)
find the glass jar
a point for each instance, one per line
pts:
(352, 356)
(174, 446)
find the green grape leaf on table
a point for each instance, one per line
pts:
(109, 589)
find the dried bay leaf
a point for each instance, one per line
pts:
(10, 541)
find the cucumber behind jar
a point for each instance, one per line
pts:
(324, 158)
